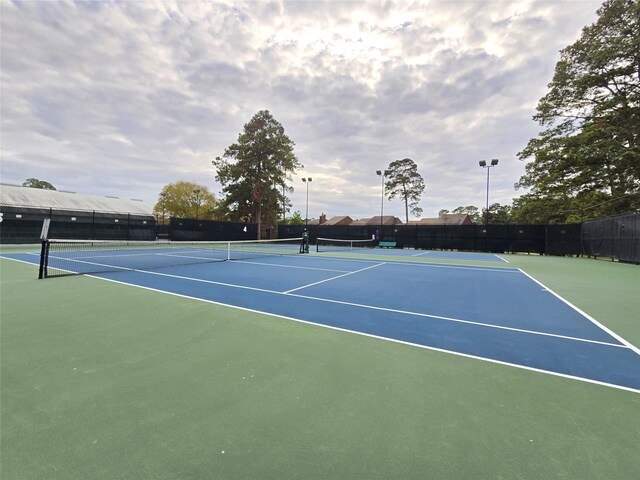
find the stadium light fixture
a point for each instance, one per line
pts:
(483, 164)
(307, 180)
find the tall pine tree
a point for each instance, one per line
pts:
(254, 170)
(589, 153)
(404, 181)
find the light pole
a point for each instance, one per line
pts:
(163, 195)
(307, 180)
(197, 192)
(483, 164)
(284, 205)
(382, 174)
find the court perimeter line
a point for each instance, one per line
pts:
(22, 261)
(426, 347)
(586, 315)
(451, 352)
(371, 307)
(625, 343)
(333, 278)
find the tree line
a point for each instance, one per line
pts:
(586, 161)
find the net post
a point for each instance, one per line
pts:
(44, 250)
(44, 256)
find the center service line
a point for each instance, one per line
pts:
(334, 278)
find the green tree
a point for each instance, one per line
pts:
(473, 212)
(497, 213)
(295, 219)
(530, 208)
(185, 200)
(589, 149)
(35, 183)
(254, 171)
(404, 181)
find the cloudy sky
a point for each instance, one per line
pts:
(122, 98)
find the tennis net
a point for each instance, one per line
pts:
(69, 257)
(339, 245)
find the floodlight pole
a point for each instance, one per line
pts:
(483, 164)
(197, 192)
(307, 180)
(382, 174)
(284, 205)
(163, 195)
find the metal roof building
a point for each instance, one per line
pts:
(26, 197)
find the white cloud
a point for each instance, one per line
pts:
(122, 98)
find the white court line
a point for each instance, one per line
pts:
(333, 278)
(457, 320)
(386, 339)
(371, 307)
(406, 312)
(586, 315)
(142, 253)
(394, 261)
(461, 257)
(22, 261)
(458, 267)
(280, 265)
(86, 262)
(202, 280)
(406, 263)
(426, 347)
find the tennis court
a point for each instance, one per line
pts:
(336, 351)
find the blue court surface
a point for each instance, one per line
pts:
(491, 313)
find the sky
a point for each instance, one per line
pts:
(122, 98)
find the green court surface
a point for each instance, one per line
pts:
(105, 381)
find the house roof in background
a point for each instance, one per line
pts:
(386, 220)
(447, 219)
(339, 220)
